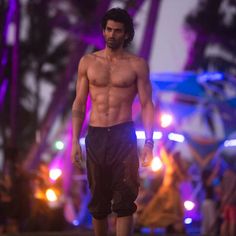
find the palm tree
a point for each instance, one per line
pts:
(213, 22)
(38, 61)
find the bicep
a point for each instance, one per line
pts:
(82, 86)
(144, 84)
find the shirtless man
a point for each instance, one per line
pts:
(113, 77)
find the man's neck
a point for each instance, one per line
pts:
(113, 53)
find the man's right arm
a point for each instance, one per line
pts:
(79, 108)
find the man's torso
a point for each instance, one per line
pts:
(112, 88)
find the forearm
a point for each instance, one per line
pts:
(148, 119)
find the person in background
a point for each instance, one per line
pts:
(228, 203)
(165, 209)
(209, 208)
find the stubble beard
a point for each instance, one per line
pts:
(113, 44)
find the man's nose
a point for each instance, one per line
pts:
(112, 33)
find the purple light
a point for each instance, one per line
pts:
(10, 16)
(9, 19)
(3, 89)
(4, 59)
(76, 222)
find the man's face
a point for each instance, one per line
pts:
(114, 34)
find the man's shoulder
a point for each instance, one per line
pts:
(91, 56)
(137, 61)
(135, 58)
(88, 57)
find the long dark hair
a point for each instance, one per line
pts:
(122, 16)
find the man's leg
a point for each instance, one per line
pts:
(124, 226)
(100, 227)
(224, 228)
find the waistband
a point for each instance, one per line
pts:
(113, 127)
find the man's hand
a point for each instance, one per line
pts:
(146, 155)
(76, 155)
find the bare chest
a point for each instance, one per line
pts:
(118, 74)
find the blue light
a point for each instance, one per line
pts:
(76, 222)
(188, 221)
(146, 230)
(210, 76)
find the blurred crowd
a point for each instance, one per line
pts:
(30, 201)
(26, 200)
(164, 207)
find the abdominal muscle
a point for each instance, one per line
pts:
(111, 107)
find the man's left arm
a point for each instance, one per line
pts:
(147, 109)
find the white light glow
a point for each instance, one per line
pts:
(188, 221)
(59, 145)
(75, 222)
(156, 164)
(82, 141)
(54, 174)
(166, 120)
(176, 137)
(189, 205)
(141, 135)
(157, 135)
(51, 195)
(230, 143)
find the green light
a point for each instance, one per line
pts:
(59, 145)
